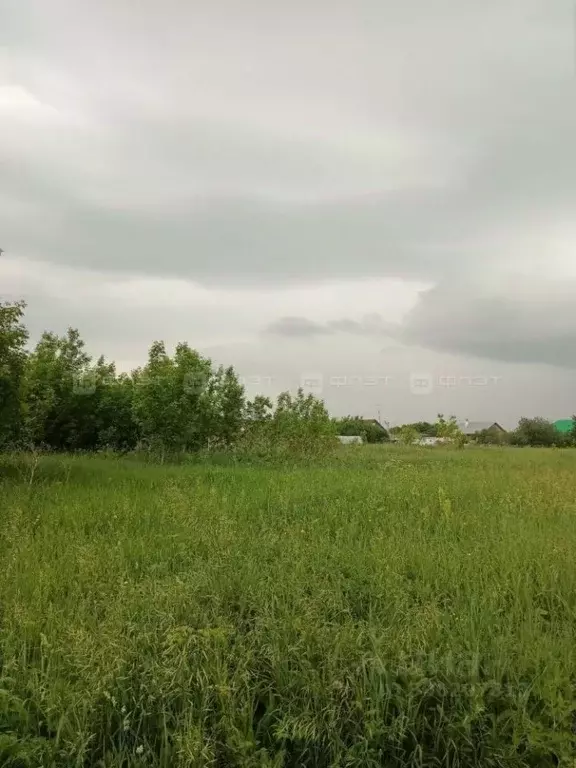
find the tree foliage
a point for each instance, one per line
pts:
(536, 432)
(56, 397)
(13, 338)
(407, 434)
(368, 429)
(296, 425)
(420, 428)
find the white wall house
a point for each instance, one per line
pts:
(350, 439)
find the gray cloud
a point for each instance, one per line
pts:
(256, 146)
(390, 149)
(523, 321)
(299, 327)
(370, 326)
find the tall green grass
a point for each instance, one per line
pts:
(385, 607)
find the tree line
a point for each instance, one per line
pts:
(57, 397)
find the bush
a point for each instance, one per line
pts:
(536, 432)
(298, 426)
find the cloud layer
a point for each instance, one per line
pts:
(334, 172)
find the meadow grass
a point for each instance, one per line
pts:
(384, 607)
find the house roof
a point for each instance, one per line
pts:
(472, 427)
(564, 425)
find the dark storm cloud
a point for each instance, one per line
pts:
(525, 323)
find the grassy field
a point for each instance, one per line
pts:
(386, 607)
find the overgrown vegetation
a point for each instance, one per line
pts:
(530, 432)
(382, 607)
(270, 600)
(57, 398)
(370, 430)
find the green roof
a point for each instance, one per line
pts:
(564, 425)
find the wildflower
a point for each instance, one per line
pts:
(140, 750)
(123, 710)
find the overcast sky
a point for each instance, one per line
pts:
(378, 197)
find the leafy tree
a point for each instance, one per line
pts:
(55, 392)
(258, 411)
(13, 337)
(408, 434)
(302, 417)
(365, 428)
(297, 425)
(66, 402)
(535, 432)
(447, 428)
(425, 429)
(421, 428)
(572, 433)
(222, 407)
(491, 437)
(115, 425)
(168, 396)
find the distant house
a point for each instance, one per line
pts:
(564, 426)
(470, 428)
(350, 439)
(374, 431)
(371, 430)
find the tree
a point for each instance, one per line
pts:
(168, 396)
(407, 434)
(115, 425)
(425, 428)
(56, 393)
(491, 437)
(450, 431)
(303, 417)
(572, 433)
(535, 432)
(13, 338)
(447, 429)
(258, 411)
(297, 425)
(420, 428)
(222, 407)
